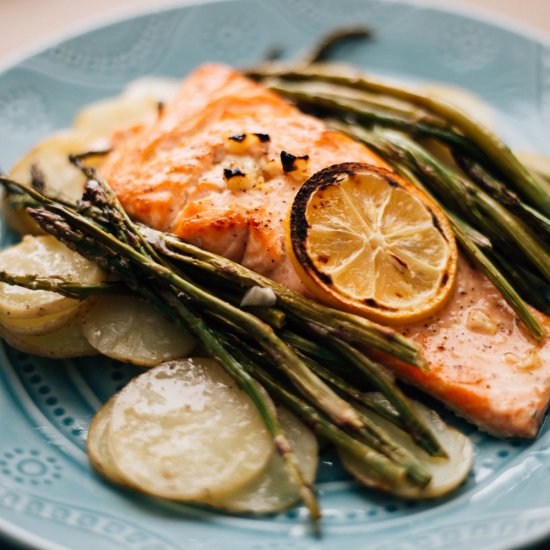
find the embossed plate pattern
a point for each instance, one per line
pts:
(49, 497)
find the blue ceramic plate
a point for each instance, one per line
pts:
(49, 496)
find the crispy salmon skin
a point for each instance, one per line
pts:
(220, 168)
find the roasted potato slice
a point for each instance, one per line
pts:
(97, 443)
(117, 113)
(61, 178)
(63, 343)
(185, 431)
(447, 473)
(129, 329)
(161, 89)
(44, 323)
(274, 490)
(39, 311)
(138, 104)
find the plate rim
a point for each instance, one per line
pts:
(75, 30)
(21, 538)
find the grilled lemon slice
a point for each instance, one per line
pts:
(363, 239)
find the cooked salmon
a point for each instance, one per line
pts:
(483, 363)
(220, 168)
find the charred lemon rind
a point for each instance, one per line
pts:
(315, 199)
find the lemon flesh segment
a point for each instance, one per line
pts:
(376, 243)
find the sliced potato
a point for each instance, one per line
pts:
(62, 343)
(93, 129)
(44, 323)
(138, 104)
(97, 443)
(42, 310)
(274, 490)
(447, 473)
(185, 431)
(117, 113)
(51, 156)
(62, 179)
(129, 329)
(153, 87)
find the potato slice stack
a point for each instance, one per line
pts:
(48, 324)
(184, 431)
(93, 130)
(42, 322)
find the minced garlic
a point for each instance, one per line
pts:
(295, 166)
(240, 144)
(242, 173)
(479, 321)
(530, 360)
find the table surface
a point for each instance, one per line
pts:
(28, 23)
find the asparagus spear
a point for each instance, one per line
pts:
(495, 150)
(374, 111)
(213, 345)
(497, 278)
(503, 194)
(379, 463)
(367, 399)
(327, 44)
(529, 285)
(371, 433)
(312, 349)
(383, 381)
(56, 224)
(469, 238)
(338, 323)
(70, 289)
(356, 102)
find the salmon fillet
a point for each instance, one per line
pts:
(220, 168)
(171, 175)
(483, 363)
